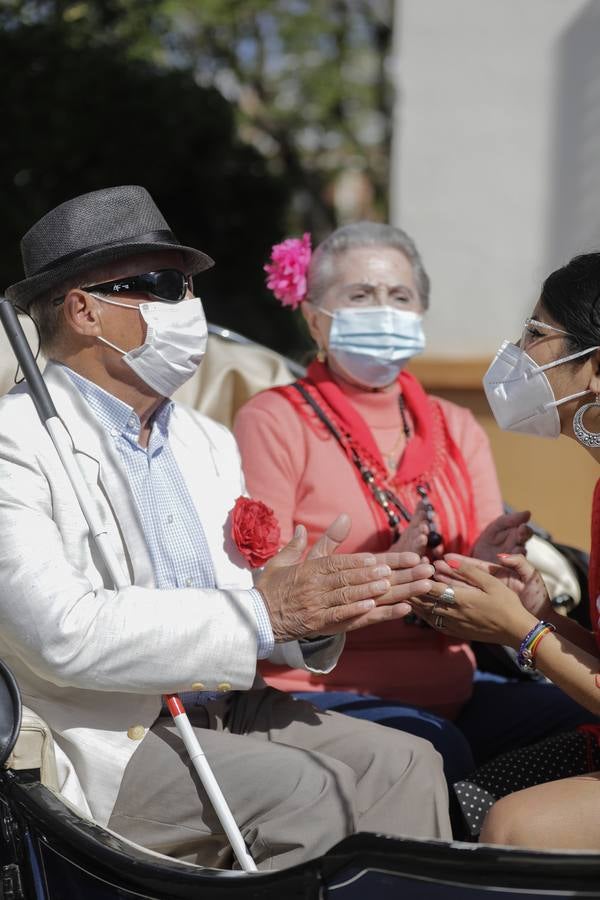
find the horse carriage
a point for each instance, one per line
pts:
(49, 851)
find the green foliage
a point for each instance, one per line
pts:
(310, 82)
(77, 118)
(308, 79)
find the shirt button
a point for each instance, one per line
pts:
(132, 422)
(170, 519)
(223, 687)
(136, 732)
(198, 686)
(114, 432)
(189, 582)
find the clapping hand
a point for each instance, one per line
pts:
(507, 534)
(415, 536)
(330, 594)
(406, 568)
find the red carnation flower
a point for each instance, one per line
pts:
(255, 530)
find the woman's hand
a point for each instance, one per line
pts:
(484, 608)
(507, 534)
(414, 537)
(514, 571)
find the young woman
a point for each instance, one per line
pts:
(548, 384)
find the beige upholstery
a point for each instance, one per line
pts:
(559, 575)
(229, 375)
(35, 749)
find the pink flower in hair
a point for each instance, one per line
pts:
(287, 270)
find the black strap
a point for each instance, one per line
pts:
(321, 415)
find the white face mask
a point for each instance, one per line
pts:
(175, 343)
(520, 395)
(371, 345)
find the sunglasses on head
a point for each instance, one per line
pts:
(168, 285)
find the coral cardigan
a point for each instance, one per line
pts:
(304, 475)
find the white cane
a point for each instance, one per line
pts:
(64, 447)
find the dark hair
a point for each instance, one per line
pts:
(571, 295)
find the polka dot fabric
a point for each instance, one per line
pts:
(560, 756)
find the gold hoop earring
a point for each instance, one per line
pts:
(321, 355)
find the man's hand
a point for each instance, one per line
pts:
(507, 534)
(330, 594)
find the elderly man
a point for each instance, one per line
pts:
(110, 289)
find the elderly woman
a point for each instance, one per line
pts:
(544, 385)
(414, 472)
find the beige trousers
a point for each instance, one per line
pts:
(297, 780)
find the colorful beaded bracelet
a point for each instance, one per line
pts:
(530, 644)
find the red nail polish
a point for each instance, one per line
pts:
(453, 563)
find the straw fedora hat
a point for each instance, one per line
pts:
(92, 229)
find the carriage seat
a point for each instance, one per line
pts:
(34, 749)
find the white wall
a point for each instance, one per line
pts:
(496, 169)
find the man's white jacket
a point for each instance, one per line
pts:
(90, 660)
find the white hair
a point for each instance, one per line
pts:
(321, 271)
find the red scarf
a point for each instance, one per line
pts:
(430, 457)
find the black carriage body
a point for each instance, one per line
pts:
(47, 852)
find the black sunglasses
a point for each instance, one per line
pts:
(168, 285)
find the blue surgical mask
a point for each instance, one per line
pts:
(371, 345)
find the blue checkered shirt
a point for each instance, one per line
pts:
(174, 534)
